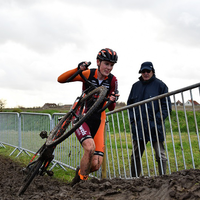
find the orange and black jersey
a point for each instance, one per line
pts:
(110, 82)
(93, 126)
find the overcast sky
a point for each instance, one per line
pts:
(41, 39)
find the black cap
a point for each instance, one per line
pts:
(146, 65)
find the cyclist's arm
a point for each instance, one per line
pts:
(63, 77)
(113, 88)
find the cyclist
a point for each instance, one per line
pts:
(91, 133)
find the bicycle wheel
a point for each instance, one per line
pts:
(72, 120)
(30, 176)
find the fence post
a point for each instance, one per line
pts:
(104, 156)
(19, 132)
(19, 136)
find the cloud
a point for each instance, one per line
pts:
(41, 27)
(41, 39)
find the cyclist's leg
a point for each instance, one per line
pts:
(96, 162)
(86, 161)
(84, 136)
(93, 148)
(99, 150)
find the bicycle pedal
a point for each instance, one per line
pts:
(60, 118)
(49, 173)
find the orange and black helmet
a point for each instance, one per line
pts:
(107, 55)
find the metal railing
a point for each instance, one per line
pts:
(182, 144)
(181, 136)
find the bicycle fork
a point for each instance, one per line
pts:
(46, 154)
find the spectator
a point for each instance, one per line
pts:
(148, 86)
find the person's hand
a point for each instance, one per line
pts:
(114, 96)
(83, 65)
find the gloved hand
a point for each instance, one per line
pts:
(84, 65)
(114, 96)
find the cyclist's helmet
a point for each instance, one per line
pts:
(107, 55)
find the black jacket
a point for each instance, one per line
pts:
(142, 90)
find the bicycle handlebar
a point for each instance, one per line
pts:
(78, 72)
(109, 102)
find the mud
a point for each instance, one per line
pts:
(180, 185)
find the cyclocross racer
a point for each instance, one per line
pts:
(91, 133)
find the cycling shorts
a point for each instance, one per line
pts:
(93, 129)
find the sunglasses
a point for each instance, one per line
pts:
(146, 70)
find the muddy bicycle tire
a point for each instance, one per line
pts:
(30, 176)
(67, 125)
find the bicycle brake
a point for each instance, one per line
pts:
(116, 97)
(85, 64)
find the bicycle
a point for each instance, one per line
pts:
(85, 105)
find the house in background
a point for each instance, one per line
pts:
(189, 103)
(49, 105)
(56, 106)
(178, 103)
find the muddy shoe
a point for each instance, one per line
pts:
(76, 179)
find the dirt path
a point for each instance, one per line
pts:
(180, 185)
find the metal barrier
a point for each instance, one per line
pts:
(181, 139)
(31, 125)
(21, 131)
(181, 143)
(69, 152)
(9, 128)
